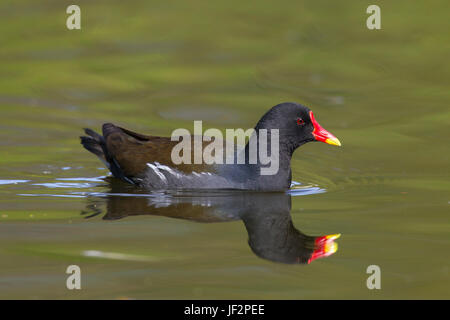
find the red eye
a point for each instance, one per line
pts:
(300, 121)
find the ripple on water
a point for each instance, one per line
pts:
(77, 183)
(2, 182)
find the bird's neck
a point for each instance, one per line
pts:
(268, 155)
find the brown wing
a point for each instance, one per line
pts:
(132, 151)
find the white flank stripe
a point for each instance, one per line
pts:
(159, 173)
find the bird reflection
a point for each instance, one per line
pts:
(266, 216)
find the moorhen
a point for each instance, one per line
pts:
(147, 160)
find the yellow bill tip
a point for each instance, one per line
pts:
(333, 141)
(331, 247)
(333, 236)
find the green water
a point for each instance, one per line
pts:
(154, 66)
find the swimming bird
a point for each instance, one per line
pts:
(148, 161)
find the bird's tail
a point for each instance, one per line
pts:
(95, 144)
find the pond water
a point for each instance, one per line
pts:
(155, 66)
